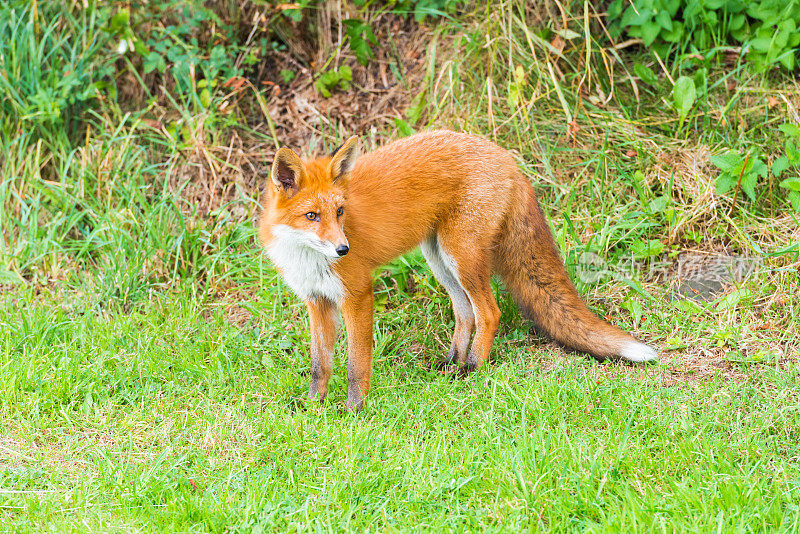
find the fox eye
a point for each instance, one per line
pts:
(340, 211)
(312, 216)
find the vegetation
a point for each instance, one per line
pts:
(766, 29)
(153, 365)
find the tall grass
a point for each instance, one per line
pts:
(54, 68)
(83, 197)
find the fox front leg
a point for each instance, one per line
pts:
(323, 318)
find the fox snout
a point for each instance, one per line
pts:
(335, 241)
(335, 248)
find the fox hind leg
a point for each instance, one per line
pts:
(472, 270)
(462, 307)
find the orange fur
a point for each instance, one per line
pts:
(465, 200)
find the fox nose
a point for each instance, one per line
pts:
(341, 250)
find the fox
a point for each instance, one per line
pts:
(329, 222)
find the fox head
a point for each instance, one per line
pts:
(305, 200)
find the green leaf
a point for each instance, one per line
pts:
(650, 31)
(614, 9)
(427, 9)
(737, 22)
(725, 182)
(757, 167)
(761, 44)
(403, 127)
(361, 36)
(663, 19)
(794, 200)
(727, 162)
(671, 6)
(790, 130)
(634, 17)
(635, 307)
(658, 204)
(205, 98)
(700, 79)
(780, 165)
(153, 61)
(645, 73)
(175, 54)
(674, 35)
(687, 306)
(741, 34)
(788, 26)
(10, 277)
(325, 82)
(791, 183)
(644, 249)
(787, 59)
(730, 300)
(139, 47)
(567, 34)
(792, 152)
(684, 94)
(287, 75)
(749, 180)
(121, 21)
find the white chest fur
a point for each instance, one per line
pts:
(307, 270)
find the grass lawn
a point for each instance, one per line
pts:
(188, 414)
(154, 367)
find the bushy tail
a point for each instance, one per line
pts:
(529, 263)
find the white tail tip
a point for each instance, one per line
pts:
(638, 352)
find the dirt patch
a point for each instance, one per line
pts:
(139, 441)
(233, 303)
(675, 367)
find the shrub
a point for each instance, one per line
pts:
(766, 29)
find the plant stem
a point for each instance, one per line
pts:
(739, 183)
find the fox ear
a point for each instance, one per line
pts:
(344, 158)
(286, 171)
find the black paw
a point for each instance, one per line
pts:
(470, 366)
(317, 392)
(355, 399)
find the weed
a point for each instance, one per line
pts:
(333, 79)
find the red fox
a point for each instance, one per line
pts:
(329, 222)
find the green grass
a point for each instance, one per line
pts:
(171, 417)
(154, 367)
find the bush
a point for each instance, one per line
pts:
(766, 29)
